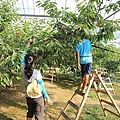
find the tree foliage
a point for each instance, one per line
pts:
(106, 57)
(53, 41)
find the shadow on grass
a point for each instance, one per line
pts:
(4, 117)
(49, 115)
(8, 98)
(13, 96)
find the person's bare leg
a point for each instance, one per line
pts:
(85, 82)
(81, 84)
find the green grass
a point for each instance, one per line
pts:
(13, 104)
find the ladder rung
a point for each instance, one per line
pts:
(47, 78)
(65, 116)
(96, 80)
(105, 109)
(102, 91)
(50, 74)
(96, 72)
(110, 88)
(108, 84)
(107, 88)
(73, 105)
(79, 92)
(107, 102)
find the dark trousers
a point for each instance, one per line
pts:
(35, 107)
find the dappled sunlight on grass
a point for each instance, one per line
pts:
(13, 104)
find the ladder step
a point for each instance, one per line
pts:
(65, 116)
(96, 72)
(107, 88)
(102, 91)
(47, 78)
(73, 105)
(79, 92)
(50, 74)
(108, 84)
(107, 102)
(96, 80)
(105, 109)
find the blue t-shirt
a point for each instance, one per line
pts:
(84, 51)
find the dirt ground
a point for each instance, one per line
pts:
(13, 104)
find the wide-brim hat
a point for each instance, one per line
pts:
(34, 90)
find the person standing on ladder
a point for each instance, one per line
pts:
(84, 61)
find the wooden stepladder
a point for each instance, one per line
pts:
(96, 78)
(50, 74)
(109, 85)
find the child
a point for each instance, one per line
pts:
(36, 103)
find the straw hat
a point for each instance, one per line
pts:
(34, 90)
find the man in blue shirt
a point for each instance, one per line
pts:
(84, 61)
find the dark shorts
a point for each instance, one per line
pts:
(35, 108)
(86, 69)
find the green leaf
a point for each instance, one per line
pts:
(5, 60)
(6, 79)
(3, 84)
